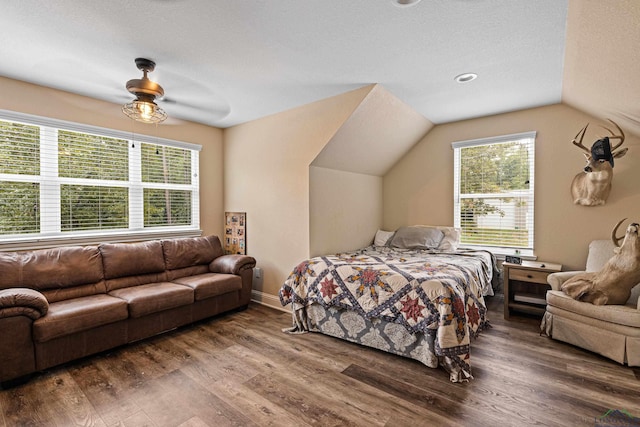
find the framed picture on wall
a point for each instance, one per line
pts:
(235, 233)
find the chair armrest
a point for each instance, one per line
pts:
(22, 302)
(557, 279)
(232, 264)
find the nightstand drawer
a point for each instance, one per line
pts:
(528, 275)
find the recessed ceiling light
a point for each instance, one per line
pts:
(466, 77)
(405, 3)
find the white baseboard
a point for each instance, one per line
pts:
(268, 300)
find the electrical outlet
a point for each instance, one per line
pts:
(257, 273)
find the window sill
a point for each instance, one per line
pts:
(500, 253)
(81, 239)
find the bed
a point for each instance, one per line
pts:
(421, 300)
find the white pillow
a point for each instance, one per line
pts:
(417, 238)
(382, 237)
(451, 239)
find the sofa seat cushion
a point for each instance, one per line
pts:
(78, 314)
(211, 284)
(154, 297)
(626, 315)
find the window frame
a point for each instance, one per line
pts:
(50, 234)
(528, 252)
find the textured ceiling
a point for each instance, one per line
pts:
(224, 62)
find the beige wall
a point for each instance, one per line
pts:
(32, 99)
(345, 210)
(267, 176)
(419, 188)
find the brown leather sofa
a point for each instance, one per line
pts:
(61, 304)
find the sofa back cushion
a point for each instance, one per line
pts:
(59, 273)
(132, 264)
(189, 256)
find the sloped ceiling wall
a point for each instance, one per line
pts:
(378, 133)
(602, 60)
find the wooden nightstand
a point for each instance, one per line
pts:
(525, 286)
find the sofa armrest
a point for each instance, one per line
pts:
(557, 279)
(22, 302)
(232, 264)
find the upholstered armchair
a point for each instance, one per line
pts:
(610, 330)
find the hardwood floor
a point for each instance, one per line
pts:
(239, 369)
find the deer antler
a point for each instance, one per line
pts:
(614, 238)
(580, 134)
(614, 136)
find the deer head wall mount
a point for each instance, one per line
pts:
(591, 187)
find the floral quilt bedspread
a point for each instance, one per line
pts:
(437, 293)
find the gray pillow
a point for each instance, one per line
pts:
(417, 238)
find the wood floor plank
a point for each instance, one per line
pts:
(194, 422)
(282, 348)
(533, 402)
(308, 406)
(592, 392)
(22, 405)
(138, 419)
(372, 399)
(476, 395)
(176, 390)
(601, 370)
(109, 397)
(361, 404)
(422, 397)
(55, 400)
(254, 406)
(3, 420)
(158, 355)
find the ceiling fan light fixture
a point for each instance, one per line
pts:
(405, 3)
(143, 108)
(144, 111)
(465, 77)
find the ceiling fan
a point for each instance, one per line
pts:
(143, 108)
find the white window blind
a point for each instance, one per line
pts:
(20, 178)
(93, 176)
(494, 192)
(166, 177)
(61, 179)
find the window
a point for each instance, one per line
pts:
(493, 192)
(61, 180)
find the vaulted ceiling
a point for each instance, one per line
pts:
(227, 62)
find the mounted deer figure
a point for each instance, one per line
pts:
(613, 283)
(592, 186)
